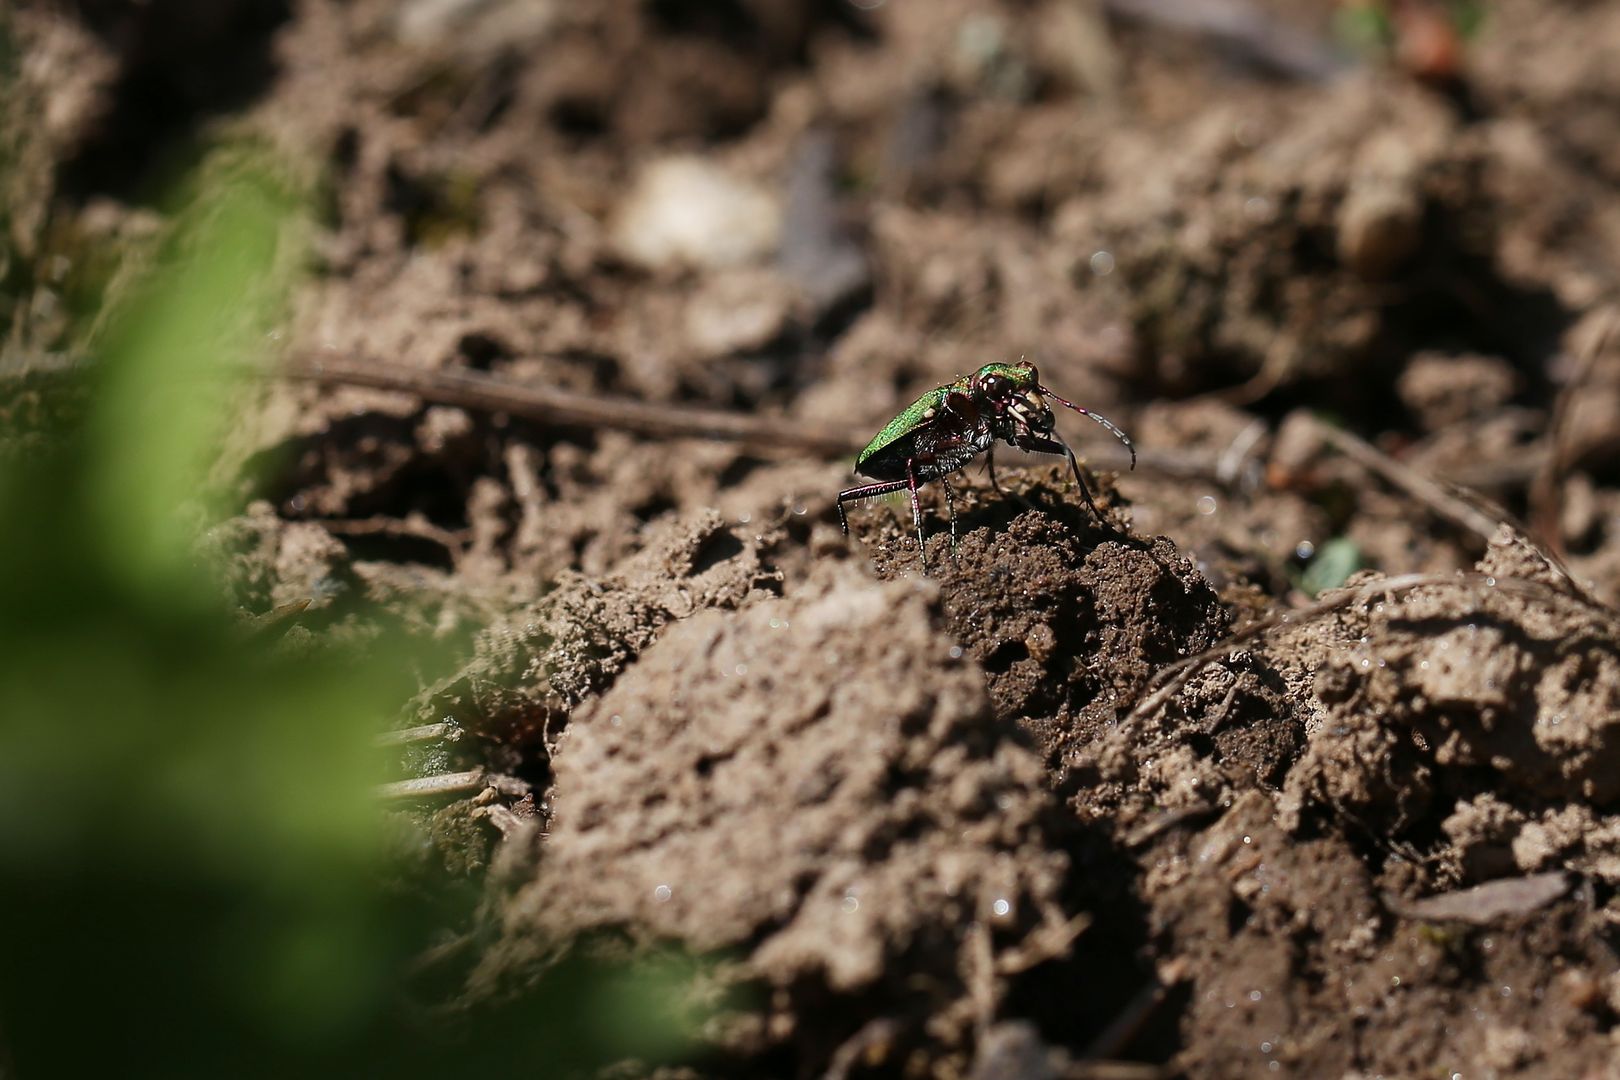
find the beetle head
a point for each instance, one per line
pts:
(1013, 394)
(1016, 402)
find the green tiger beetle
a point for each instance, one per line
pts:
(946, 428)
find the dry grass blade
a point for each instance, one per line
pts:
(1462, 507)
(447, 730)
(1425, 490)
(548, 405)
(433, 787)
(489, 784)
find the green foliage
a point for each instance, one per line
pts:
(192, 859)
(1369, 26)
(1332, 566)
(1364, 27)
(171, 346)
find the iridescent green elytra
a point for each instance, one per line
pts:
(950, 425)
(1022, 377)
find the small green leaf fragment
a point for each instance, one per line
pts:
(1468, 16)
(1335, 561)
(1363, 27)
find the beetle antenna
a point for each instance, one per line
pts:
(1112, 427)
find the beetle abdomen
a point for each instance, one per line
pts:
(930, 460)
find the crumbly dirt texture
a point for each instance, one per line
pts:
(1302, 760)
(847, 838)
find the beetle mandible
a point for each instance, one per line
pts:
(950, 425)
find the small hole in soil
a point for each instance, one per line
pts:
(481, 350)
(724, 19)
(433, 208)
(346, 149)
(1237, 917)
(602, 369)
(738, 471)
(653, 507)
(582, 118)
(1005, 656)
(399, 548)
(180, 67)
(715, 550)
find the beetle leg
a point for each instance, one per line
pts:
(950, 507)
(865, 491)
(948, 440)
(1058, 448)
(916, 510)
(990, 465)
(872, 491)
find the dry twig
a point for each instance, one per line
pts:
(548, 405)
(487, 784)
(432, 787)
(448, 730)
(1425, 490)
(410, 528)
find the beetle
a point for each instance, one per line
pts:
(950, 425)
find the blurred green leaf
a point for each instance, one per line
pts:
(1468, 16)
(1363, 27)
(171, 346)
(195, 874)
(1332, 566)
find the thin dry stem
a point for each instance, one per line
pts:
(432, 787)
(448, 730)
(1425, 490)
(566, 408)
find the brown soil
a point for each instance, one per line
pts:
(925, 820)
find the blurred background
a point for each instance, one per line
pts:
(1345, 270)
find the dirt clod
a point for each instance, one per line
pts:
(1068, 617)
(532, 669)
(839, 833)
